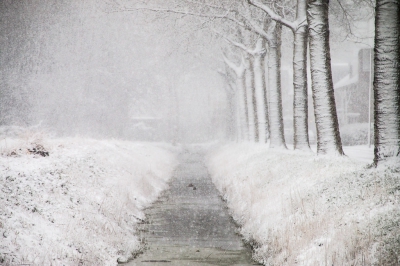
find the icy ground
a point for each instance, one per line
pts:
(79, 205)
(299, 209)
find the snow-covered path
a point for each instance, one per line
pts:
(190, 224)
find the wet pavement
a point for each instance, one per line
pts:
(190, 224)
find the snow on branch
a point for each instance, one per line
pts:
(250, 25)
(238, 69)
(237, 44)
(224, 15)
(207, 5)
(292, 25)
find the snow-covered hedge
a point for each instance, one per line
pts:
(81, 204)
(300, 209)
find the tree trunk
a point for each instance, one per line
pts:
(300, 99)
(242, 116)
(274, 85)
(387, 80)
(328, 137)
(265, 96)
(250, 97)
(260, 86)
(232, 114)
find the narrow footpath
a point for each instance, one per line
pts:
(190, 224)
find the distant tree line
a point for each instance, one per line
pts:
(252, 31)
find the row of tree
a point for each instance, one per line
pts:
(253, 31)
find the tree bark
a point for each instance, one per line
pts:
(387, 80)
(242, 115)
(231, 128)
(251, 100)
(300, 99)
(241, 98)
(260, 86)
(328, 136)
(274, 86)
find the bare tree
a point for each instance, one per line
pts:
(300, 101)
(232, 114)
(241, 101)
(259, 93)
(261, 89)
(274, 83)
(241, 17)
(273, 38)
(328, 136)
(387, 79)
(251, 98)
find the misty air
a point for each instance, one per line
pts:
(199, 132)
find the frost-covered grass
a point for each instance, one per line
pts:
(80, 204)
(300, 209)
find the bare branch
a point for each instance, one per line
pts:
(238, 69)
(204, 15)
(291, 25)
(250, 25)
(237, 44)
(228, 79)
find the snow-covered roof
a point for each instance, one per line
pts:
(347, 80)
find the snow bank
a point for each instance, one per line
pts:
(80, 204)
(297, 208)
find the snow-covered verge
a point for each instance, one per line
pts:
(355, 134)
(297, 208)
(81, 204)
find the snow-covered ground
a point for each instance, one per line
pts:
(361, 153)
(79, 205)
(297, 208)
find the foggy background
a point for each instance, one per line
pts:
(85, 68)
